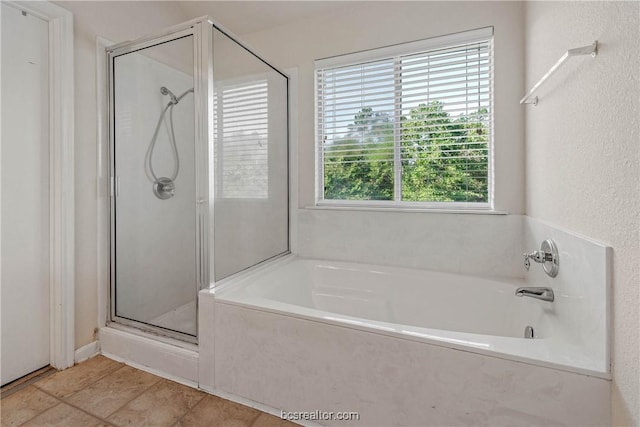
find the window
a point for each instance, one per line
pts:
(241, 127)
(407, 125)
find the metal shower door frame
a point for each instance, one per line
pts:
(202, 31)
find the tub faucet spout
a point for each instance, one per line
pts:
(541, 293)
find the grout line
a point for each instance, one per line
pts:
(108, 372)
(159, 380)
(191, 410)
(204, 395)
(103, 419)
(62, 401)
(44, 410)
(137, 395)
(117, 367)
(255, 420)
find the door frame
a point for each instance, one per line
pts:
(61, 179)
(106, 52)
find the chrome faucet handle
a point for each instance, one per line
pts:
(547, 256)
(540, 256)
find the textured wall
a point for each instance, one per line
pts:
(583, 154)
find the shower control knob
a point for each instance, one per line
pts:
(164, 188)
(547, 256)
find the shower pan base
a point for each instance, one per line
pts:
(182, 318)
(166, 357)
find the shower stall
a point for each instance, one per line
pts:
(198, 155)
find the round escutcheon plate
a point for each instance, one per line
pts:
(164, 188)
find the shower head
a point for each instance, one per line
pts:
(165, 91)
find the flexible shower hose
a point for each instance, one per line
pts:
(148, 161)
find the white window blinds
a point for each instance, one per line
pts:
(411, 124)
(242, 130)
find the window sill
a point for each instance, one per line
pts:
(477, 211)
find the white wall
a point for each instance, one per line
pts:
(117, 21)
(371, 25)
(583, 163)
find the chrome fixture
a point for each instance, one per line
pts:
(547, 256)
(541, 293)
(592, 50)
(164, 188)
(165, 91)
(528, 332)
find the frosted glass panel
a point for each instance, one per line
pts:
(155, 228)
(250, 159)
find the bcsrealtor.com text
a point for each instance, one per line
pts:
(319, 416)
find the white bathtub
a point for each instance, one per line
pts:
(399, 346)
(475, 314)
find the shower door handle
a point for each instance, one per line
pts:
(114, 186)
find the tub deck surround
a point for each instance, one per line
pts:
(414, 347)
(475, 314)
(460, 243)
(402, 346)
(301, 365)
(582, 289)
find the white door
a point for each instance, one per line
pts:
(24, 189)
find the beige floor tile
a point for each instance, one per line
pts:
(110, 393)
(214, 411)
(63, 415)
(268, 420)
(161, 405)
(23, 405)
(69, 381)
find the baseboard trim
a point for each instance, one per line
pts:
(87, 351)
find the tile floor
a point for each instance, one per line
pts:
(103, 392)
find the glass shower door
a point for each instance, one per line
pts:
(250, 134)
(154, 283)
